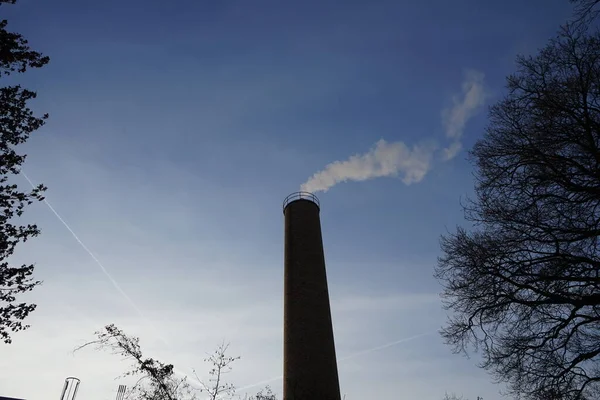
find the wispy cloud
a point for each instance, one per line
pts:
(464, 106)
(384, 159)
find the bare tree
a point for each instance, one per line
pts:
(221, 364)
(586, 10)
(523, 284)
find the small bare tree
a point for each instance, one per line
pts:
(221, 364)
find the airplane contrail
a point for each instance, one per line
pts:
(96, 260)
(108, 275)
(360, 353)
(385, 346)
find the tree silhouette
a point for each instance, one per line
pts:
(221, 364)
(17, 122)
(264, 394)
(586, 10)
(157, 381)
(523, 284)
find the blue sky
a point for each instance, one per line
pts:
(176, 130)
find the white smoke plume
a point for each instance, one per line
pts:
(397, 159)
(464, 107)
(384, 159)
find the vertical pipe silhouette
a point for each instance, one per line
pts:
(70, 388)
(309, 360)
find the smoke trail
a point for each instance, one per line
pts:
(96, 260)
(360, 353)
(393, 159)
(455, 118)
(384, 159)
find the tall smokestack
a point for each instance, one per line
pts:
(309, 361)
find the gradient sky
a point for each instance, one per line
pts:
(178, 127)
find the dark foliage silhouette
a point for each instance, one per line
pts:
(264, 394)
(523, 284)
(17, 122)
(156, 380)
